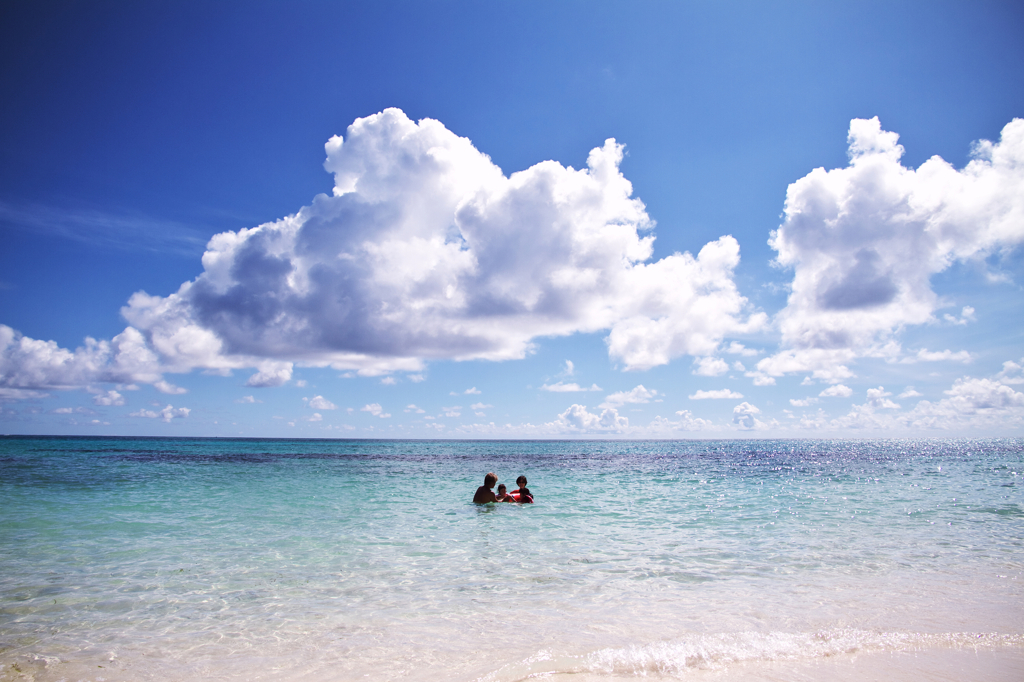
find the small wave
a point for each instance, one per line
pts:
(719, 651)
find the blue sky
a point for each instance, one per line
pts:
(808, 223)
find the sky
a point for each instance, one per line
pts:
(512, 219)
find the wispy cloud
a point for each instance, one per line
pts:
(125, 230)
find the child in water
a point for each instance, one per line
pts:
(524, 493)
(503, 496)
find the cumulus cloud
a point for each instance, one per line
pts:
(560, 387)
(878, 398)
(971, 402)
(166, 414)
(636, 395)
(577, 419)
(424, 250)
(863, 242)
(710, 367)
(735, 348)
(743, 416)
(108, 398)
(909, 393)
(318, 402)
(414, 409)
(375, 409)
(169, 388)
(480, 406)
(720, 394)
(966, 315)
(248, 399)
(806, 402)
(836, 391)
(1012, 372)
(270, 374)
(31, 365)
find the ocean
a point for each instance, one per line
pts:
(218, 559)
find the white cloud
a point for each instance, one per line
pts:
(424, 250)
(270, 374)
(636, 395)
(454, 411)
(33, 366)
(471, 391)
(315, 417)
(248, 399)
(318, 402)
(687, 422)
(966, 315)
(569, 369)
(480, 406)
(761, 379)
(878, 398)
(169, 388)
(806, 402)
(738, 366)
(414, 409)
(909, 393)
(710, 367)
(568, 388)
(836, 391)
(577, 419)
(1012, 372)
(388, 381)
(973, 403)
(735, 348)
(864, 241)
(925, 355)
(743, 416)
(417, 378)
(166, 414)
(720, 394)
(108, 398)
(375, 409)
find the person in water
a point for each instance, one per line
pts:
(503, 496)
(484, 492)
(524, 493)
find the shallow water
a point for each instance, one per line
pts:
(162, 559)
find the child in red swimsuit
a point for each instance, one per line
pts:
(524, 493)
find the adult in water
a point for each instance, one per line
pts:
(484, 492)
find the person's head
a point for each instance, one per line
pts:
(490, 479)
(521, 481)
(502, 489)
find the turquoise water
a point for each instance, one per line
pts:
(125, 558)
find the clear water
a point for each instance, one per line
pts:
(168, 559)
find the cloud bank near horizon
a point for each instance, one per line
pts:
(427, 251)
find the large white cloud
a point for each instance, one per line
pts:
(426, 250)
(864, 241)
